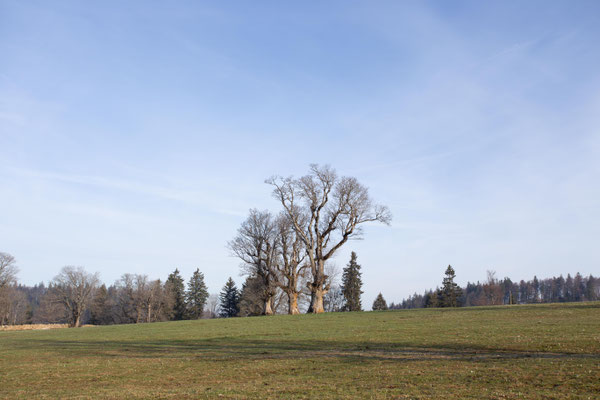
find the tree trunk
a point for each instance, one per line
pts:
(268, 306)
(316, 301)
(293, 303)
(77, 320)
(149, 312)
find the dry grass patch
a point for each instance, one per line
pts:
(32, 327)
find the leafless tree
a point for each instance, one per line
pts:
(127, 309)
(13, 306)
(141, 300)
(49, 310)
(212, 305)
(155, 300)
(290, 265)
(73, 288)
(256, 245)
(8, 269)
(326, 211)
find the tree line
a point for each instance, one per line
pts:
(76, 297)
(496, 291)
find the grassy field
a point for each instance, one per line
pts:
(537, 351)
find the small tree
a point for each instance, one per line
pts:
(432, 299)
(176, 289)
(351, 285)
(229, 299)
(379, 304)
(450, 292)
(196, 295)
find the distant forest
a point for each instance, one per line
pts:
(505, 291)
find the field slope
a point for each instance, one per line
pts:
(535, 351)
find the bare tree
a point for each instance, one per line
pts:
(290, 267)
(73, 288)
(13, 306)
(155, 300)
(326, 211)
(8, 269)
(212, 305)
(256, 245)
(127, 310)
(141, 300)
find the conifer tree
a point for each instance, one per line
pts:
(196, 295)
(351, 285)
(229, 298)
(176, 290)
(432, 298)
(251, 299)
(379, 304)
(450, 292)
(100, 312)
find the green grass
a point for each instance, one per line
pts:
(541, 351)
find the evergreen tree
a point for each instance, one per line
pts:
(379, 304)
(100, 309)
(351, 285)
(450, 292)
(590, 289)
(229, 299)
(431, 299)
(176, 289)
(196, 295)
(251, 299)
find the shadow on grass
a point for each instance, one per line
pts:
(220, 349)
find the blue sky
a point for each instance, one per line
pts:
(136, 136)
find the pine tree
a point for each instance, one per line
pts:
(229, 299)
(351, 285)
(450, 292)
(176, 289)
(379, 304)
(196, 295)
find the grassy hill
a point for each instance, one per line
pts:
(533, 351)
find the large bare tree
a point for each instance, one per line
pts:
(73, 288)
(256, 245)
(326, 211)
(290, 264)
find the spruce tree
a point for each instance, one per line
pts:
(196, 295)
(229, 299)
(176, 289)
(351, 285)
(379, 304)
(450, 292)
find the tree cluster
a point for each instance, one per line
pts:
(288, 252)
